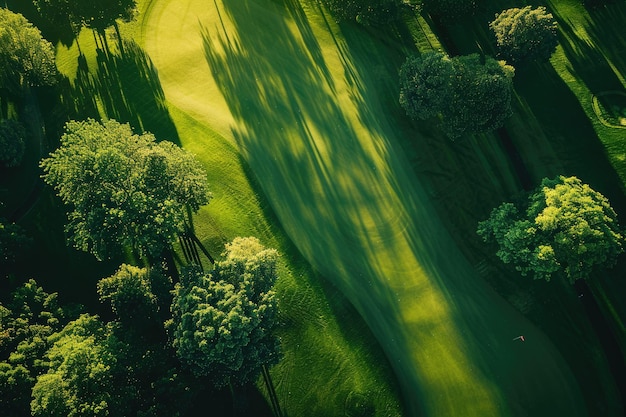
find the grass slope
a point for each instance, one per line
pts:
(282, 84)
(329, 367)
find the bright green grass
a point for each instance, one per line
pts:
(327, 362)
(305, 113)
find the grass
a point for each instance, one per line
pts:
(556, 131)
(302, 102)
(326, 361)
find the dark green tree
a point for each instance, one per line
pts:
(223, 322)
(566, 229)
(124, 190)
(469, 94)
(26, 59)
(27, 321)
(12, 146)
(525, 34)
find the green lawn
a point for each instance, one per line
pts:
(304, 102)
(331, 362)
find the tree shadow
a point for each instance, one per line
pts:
(124, 87)
(345, 198)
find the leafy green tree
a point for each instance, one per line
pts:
(26, 323)
(26, 59)
(12, 135)
(13, 241)
(567, 229)
(124, 190)
(525, 34)
(222, 322)
(79, 380)
(469, 94)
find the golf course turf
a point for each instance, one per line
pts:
(279, 80)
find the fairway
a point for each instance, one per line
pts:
(279, 80)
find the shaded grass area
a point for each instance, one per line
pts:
(556, 131)
(331, 171)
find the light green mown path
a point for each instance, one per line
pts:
(284, 87)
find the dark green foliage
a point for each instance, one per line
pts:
(449, 10)
(222, 322)
(95, 14)
(130, 294)
(125, 190)
(470, 94)
(368, 12)
(567, 229)
(80, 375)
(26, 323)
(525, 34)
(26, 59)
(13, 241)
(12, 135)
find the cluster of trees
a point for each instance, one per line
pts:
(124, 190)
(469, 94)
(59, 361)
(472, 93)
(564, 229)
(449, 10)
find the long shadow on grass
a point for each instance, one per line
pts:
(124, 87)
(344, 197)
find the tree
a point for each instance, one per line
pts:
(222, 322)
(368, 12)
(124, 190)
(26, 323)
(525, 34)
(566, 229)
(26, 59)
(95, 14)
(139, 297)
(470, 94)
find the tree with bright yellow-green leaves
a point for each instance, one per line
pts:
(566, 229)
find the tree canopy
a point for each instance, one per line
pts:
(470, 94)
(124, 190)
(525, 34)
(223, 322)
(12, 146)
(79, 380)
(26, 58)
(27, 322)
(566, 229)
(94, 14)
